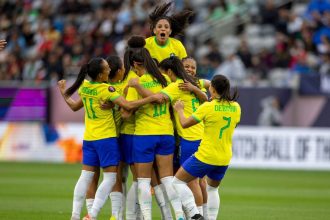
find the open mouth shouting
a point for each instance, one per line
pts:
(162, 36)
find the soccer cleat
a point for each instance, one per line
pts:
(179, 215)
(87, 217)
(197, 217)
(112, 218)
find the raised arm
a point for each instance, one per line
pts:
(134, 82)
(2, 44)
(73, 104)
(187, 86)
(207, 83)
(185, 122)
(129, 106)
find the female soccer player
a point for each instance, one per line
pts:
(115, 80)
(190, 65)
(163, 27)
(220, 117)
(189, 138)
(153, 138)
(100, 148)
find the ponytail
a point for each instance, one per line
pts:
(152, 68)
(136, 52)
(222, 86)
(175, 64)
(93, 68)
(80, 78)
(177, 21)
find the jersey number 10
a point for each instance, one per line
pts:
(159, 110)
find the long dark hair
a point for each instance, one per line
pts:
(92, 69)
(177, 21)
(175, 64)
(115, 64)
(136, 52)
(222, 85)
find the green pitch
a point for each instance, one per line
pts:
(38, 191)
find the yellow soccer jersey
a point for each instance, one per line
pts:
(172, 47)
(202, 83)
(128, 125)
(151, 119)
(119, 87)
(220, 119)
(191, 103)
(99, 124)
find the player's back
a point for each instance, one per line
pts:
(151, 119)
(220, 119)
(99, 124)
(191, 103)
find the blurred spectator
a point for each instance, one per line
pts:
(233, 68)
(325, 66)
(269, 13)
(244, 54)
(47, 39)
(270, 114)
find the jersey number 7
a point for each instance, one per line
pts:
(228, 119)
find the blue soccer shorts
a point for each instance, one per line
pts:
(187, 149)
(101, 153)
(126, 148)
(145, 147)
(199, 169)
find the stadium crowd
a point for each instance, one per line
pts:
(49, 40)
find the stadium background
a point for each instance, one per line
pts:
(276, 52)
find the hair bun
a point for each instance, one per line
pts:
(136, 42)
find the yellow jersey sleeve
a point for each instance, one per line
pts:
(128, 125)
(191, 104)
(132, 94)
(202, 84)
(171, 91)
(119, 87)
(220, 119)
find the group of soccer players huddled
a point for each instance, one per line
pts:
(149, 112)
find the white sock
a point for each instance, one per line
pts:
(186, 214)
(167, 201)
(205, 215)
(173, 196)
(103, 191)
(131, 202)
(213, 202)
(144, 196)
(200, 209)
(160, 198)
(80, 191)
(122, 209)
(89, 205)
(186, 196)
(116, 203)
(124, 187)
(125, 173)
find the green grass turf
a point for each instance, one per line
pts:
(44, 191)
